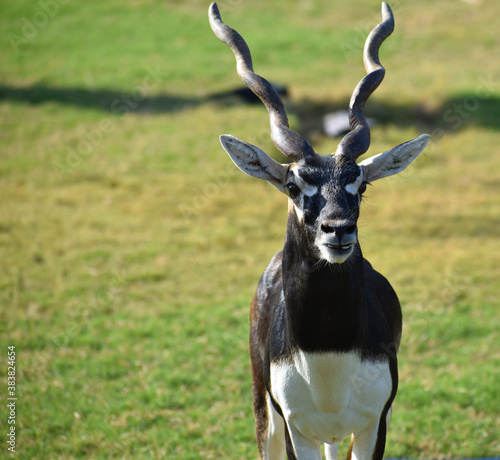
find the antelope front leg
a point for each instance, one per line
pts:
(365, 444)
(303, 448)
(331, 451)
(273, 447)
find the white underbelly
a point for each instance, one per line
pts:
(328, 396)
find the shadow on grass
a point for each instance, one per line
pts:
(455, 112)
(117, 102)
(100, 99)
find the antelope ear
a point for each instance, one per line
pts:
(254, 161)
(393, 161)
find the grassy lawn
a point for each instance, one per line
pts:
(131, 246)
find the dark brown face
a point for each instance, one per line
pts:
(325, 196)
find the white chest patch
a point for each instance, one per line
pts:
(328, 396)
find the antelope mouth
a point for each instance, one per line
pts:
(336, 253)
(339, 247)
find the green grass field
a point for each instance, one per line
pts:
(131, 245)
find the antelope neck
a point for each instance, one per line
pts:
(325, 305)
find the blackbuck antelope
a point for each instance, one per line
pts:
(325, 326)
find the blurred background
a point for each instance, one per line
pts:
(131, 245)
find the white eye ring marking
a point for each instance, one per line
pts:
(353, 187)
(306, 188)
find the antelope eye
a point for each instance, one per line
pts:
(362, 188)
(293, 190)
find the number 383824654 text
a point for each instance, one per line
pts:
(11, 398)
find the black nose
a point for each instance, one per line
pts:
(338, 227)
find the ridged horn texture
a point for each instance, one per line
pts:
(287, 141)
(357, 141)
